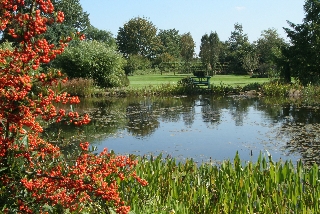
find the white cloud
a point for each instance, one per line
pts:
(240, 8)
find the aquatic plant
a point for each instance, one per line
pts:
(232, 186)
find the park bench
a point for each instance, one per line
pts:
(201, 81)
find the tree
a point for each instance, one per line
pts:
(136, 62)
(187, 46)
(238, 47)
(210, 50)
(139, 37)
(268, 48)
(303, 53)
(35, 175)
(170, 42)
(250, 61)
(93, 59)
(93, 33)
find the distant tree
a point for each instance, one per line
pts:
(210, 50)
(93, 33)
(170, 42)
(268, 48)
(250, 61)
(138, 37)
(238, 47)
(303, 54)
(136, 62)
(187, 46)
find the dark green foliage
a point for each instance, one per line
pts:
(170, 42)
(75, 20)
(138, 37)
(268, 48)
(238, 47)
(303, 55)
(93, 33)
(210, 50)
(136, 62)
(187, 47)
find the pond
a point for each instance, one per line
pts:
(204, 128)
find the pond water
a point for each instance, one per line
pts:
(205, 128)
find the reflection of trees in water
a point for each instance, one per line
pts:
(188, 116)
(238, 108)
(209, 113)
(141, 120)
(106, 118)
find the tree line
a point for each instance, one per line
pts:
(140, 45)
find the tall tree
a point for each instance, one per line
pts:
(138, 36)
(76, 20)
(303, 54)
(187, 47)
(210, 50)
(238, 47)
(170, 42)
(268, 48)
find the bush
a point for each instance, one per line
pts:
(252, 86)
(95, 60)
(185, 82)
(275, 88)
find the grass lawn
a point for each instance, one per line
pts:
(139, 81)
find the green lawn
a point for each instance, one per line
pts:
(139, 81)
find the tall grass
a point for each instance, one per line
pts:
(231, 187)
(78, 87)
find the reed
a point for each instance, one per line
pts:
(78, 87)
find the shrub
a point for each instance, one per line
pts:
(95, 60)
(252, 86)
(275, 88)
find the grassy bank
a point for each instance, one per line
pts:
(140, 81)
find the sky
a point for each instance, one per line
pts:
(198, 17)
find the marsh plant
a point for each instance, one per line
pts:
(234, 186)
(78, 87)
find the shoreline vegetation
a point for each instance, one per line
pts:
(180, 85)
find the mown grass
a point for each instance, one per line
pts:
(140, 81)
(234, 186)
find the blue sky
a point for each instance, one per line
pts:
(198, 16)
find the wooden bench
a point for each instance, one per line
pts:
(201, 81)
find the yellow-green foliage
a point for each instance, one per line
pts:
(232, 187)
(275, 89)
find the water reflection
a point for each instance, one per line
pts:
(202, 127)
